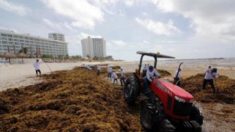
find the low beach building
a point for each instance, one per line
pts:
(93, 47)
(11, 42)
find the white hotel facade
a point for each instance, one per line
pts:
(13, 42)
(93, 47)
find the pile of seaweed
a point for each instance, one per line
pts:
(75, 100)
(164, 73)
(225, 89)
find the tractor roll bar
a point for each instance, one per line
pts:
(154, 55)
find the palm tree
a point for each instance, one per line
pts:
(23, 53)
(9, 55)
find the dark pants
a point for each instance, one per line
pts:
(115, 80)
(109, 75)
(38, 72)
(122, 80)
(211, 82)
(98, 72)
(146, 85)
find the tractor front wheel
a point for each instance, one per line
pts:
(131, 89)
(166, 126)
(196, 115)
(146, 117)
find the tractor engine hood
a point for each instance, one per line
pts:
(172, 89)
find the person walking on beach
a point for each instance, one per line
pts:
(98, 70)
(114, 77)
(122, 77)
(209, 78)
(110, 70)
(37, 68)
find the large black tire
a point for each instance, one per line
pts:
(131, 89)
(196, 126)
(146, 119)
(166, 126)
(152, 116)
(196, 115)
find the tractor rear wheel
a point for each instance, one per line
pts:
(131, 89)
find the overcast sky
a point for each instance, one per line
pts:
(181, 28)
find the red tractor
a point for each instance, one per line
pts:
(164, 107)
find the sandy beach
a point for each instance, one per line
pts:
(18, 75)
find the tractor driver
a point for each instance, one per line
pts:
(150, 76)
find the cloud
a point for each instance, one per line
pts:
(158, 27)
(12, 7)
(56, 25)
(131, 2)
(82, 13)
(83, 35)
(118, 43)
(209, 18)
(8, 29)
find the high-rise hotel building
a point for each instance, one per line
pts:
(56, 36)
(93, 47)
(36, 46)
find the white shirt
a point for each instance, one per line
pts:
(36, 66)
(145, 68)
(208, 74)
(110, 69)
(151, 75)
(114, 75)
(122, 73)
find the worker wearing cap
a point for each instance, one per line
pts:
(151, 74)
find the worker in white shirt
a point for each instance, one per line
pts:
(209, 78)
(98, 70)
(110, 70)
(122, 77)
(145, 70)
(114, 77)
(37, 68)
(151, 74)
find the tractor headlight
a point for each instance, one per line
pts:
(179, 99)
